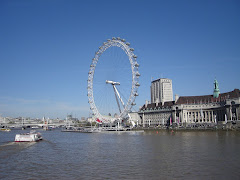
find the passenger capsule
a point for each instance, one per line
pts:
(138, 74)
(123, 40)
(134, 56)
(136, 65)
(131, 49)
(137, 84)
(133, 104)
(113, 38)
(118, 38)
(128, 44)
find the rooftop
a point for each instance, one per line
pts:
(208, 98)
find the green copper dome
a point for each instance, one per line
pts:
(216, 90)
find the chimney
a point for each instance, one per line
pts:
(157, 102)
(176, 98)
(146, 103)
(162, 103)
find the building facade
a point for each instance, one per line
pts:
(161, 90)
(207, 110)
(191, 111)
(156, 114)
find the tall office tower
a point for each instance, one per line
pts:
(161, 90)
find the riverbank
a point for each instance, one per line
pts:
(215, 128)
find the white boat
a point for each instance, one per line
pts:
(28, 137)
(35, 127)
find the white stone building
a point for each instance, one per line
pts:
(156, 114)
(207, 110)
(190, 111)
(134, 118)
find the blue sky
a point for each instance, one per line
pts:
(46, 49)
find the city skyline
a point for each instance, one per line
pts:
(47, 47)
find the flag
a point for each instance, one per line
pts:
(170, 121)
(98, 120)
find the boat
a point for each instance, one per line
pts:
(91, 130)
(33, 136)
(35, 127)
(5, 129)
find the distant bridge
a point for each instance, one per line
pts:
(10, 125)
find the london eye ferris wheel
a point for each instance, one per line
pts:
(113, 81)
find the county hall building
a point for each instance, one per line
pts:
(188, 111)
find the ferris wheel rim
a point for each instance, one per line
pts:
(125, 46)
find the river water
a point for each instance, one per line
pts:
(125, 155)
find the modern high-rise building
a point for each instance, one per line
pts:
(161, 90)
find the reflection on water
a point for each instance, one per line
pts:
(128, 155)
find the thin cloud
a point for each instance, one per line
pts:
(23, 101)
(10, 106)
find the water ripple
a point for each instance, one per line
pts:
(149, 155)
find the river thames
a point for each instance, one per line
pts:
(126, 155)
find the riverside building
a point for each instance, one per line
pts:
(191, 111)
(159, 111)
(156, 114)
(208, 110)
